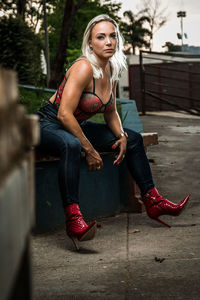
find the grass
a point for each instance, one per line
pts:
(33, 100)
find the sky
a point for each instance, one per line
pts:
(168, 33)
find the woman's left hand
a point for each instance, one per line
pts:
(121, 143)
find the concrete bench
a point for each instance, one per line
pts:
(101, 193)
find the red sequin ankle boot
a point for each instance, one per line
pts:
(76, 227)
(156, 206)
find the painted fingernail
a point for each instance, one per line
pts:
(113, 147)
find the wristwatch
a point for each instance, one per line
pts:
(124, 133)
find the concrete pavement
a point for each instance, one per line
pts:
(132, 256)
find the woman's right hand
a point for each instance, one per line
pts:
(94, 160)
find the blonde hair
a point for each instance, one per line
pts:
(118, 60)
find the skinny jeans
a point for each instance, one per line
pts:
(57, 141)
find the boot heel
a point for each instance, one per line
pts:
(162, 222)
(156, 206)
(75, 243)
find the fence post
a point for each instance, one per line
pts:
(18, 134)
(142, 82)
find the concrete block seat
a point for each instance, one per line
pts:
(102, 193)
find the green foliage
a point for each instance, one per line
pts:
(134, 31)
(125, 116)
(33, 100)
(55, 18)
(99, 118)
(29, 10)
(72, 55)
(89, 10)
(20, 50)
(172, 47)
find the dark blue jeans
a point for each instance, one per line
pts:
(55, 140)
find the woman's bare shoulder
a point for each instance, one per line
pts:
(81, 67)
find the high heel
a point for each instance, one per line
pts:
(75, 242)
(76, 228)
(156, 206)
(162, 222)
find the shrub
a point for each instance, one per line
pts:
(20, 50)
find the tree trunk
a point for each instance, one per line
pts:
(133, 43)
(69, 13)
(151, 42)
(133, 47)
(21, 8)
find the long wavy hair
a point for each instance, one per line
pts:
(118, 60)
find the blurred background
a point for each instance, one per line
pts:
(41, 38)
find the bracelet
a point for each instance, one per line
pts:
(124, 133)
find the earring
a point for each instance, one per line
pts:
(91, 49)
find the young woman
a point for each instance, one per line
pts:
(88, 88)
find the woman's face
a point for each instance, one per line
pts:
(103, 39)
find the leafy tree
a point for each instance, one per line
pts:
(156, 14)
(65, 37)
(20, 50)
(67, 21)
(134, 31)
(70, 10)
(89, 10)
(172, 47)
(15, 8)
(28, 10)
